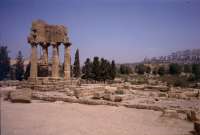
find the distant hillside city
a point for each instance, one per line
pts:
(181, 57)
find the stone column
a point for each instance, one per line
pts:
(67, 63)
(33, 70)
(45, 55)
(55, 61)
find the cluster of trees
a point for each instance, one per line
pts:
(125, 69)
(6, 71)
(141, 69)
(173, 69)
(99, 70)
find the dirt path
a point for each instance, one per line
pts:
(77, 119)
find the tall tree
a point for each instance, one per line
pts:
(105, 68)
(161, 70)
(77, 69)
(4, 62)
(175, 68)
(27, 72)
(125, 69)
(87, 69)
(140, 69)
(148, 69)
(96, 69)
(113, 70)
(188, 68)
(19, 66)
(196, 71)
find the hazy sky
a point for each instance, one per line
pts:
(123, 30)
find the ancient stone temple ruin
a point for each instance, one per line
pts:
(45, 35)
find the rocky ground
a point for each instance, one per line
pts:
(122, 108)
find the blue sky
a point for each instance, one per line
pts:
(123, 30)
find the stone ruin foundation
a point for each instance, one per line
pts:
(45, 35)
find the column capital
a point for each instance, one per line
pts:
(54, 44)
(67, 44)
(44, 44)
(33, 44)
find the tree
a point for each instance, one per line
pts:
(96, 69)
(113, 70)
(140, 69)
(196, 71)
(161, 70)
(155, 71)
(188, 68)
(148, 69)
(4, 62)
(77, 69)
(175, 69)
(87, 69)
(124, 69)
(105, 68)
(27, 72)
(19, 67)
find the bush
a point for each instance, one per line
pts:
(140, 69)
(175, 68)
(161, 71)
(196, 71)
(124, 69)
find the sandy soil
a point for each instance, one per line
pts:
(75, 119)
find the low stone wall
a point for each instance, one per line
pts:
(10, 83)
(47, 84)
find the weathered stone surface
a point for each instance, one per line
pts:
(42, 32)
(108, 97)
(120, 91)
(160, 88)
(22, 95)
(45, 35)
(77, 93)
(148, 107)
(197, 127)
(118, 98)
(55, 61)
(98, 95)
(170, 113)
(162, 94)
(192, 116)
(67, 62)
(33, 70)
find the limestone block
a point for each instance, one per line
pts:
(22, 95)
(193, 116)
(108, 97)
(118, 98)
(98, 95)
